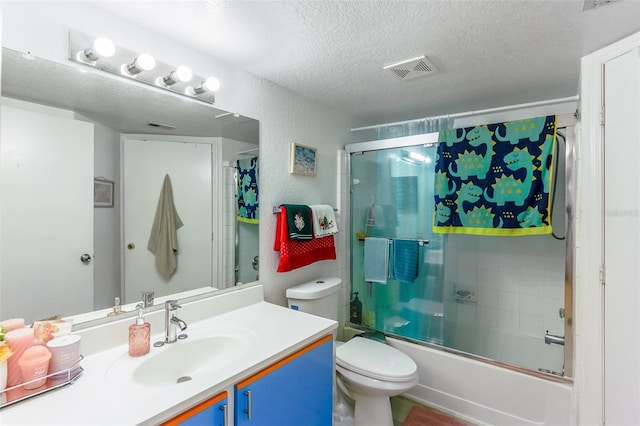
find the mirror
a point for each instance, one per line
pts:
(117, 109)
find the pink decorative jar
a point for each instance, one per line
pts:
(19, 340)
(34, 364)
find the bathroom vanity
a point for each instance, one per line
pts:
(243, 358)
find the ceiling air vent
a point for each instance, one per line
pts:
(412, 68)
(161, 126)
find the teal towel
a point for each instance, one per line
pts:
(404, 260)
(376, 259)
(299, 221)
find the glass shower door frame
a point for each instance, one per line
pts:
(567, 123)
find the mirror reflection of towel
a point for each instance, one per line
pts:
(247, 190)
(163, 241)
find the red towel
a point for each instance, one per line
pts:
(295, 253)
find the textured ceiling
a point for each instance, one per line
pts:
(489, 53)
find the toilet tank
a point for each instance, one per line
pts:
(318, 297)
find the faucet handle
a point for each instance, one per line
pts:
(171, 305)
(147, 298)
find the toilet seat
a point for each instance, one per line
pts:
(375, 360)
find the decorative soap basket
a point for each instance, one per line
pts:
(29, 369)
(41, 384)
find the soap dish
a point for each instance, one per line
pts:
(465, 296)
(55, 380)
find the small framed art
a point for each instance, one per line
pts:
(303, 160)
(102, 193)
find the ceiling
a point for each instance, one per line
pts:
(488, 53)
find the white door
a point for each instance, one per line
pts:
(47, 215)
(145, 164)
(622, 240)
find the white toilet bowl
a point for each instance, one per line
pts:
(371, 372)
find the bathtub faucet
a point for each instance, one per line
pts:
(552, 338)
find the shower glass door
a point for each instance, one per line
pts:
(504, 299)
(392, 198)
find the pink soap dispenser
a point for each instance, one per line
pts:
(139, 335)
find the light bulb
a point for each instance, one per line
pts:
(101, 47)
(104, 47)
(181, 74)
(212, 84)
(144, 62)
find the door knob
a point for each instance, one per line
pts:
(85, 258)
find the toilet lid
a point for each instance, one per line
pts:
(375, 360)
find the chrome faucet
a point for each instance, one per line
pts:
(172, 322)
(552, 338)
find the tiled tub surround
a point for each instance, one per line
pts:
(518, 288)
(96, 399)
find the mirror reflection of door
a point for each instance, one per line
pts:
(189, 166)
(45, 150)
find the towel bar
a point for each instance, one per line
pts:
(276, 209)
(420, 242)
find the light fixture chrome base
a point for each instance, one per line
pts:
(79, 41)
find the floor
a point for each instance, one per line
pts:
(409, 413)
(421, 415)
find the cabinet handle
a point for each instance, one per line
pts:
(224, 414)
(248, 410)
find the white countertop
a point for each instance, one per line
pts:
(97, 398)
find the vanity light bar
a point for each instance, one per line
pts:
(102, 54)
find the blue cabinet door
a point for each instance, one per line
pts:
(212, 412)
(295, 391)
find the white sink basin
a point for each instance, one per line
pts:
(193, 358)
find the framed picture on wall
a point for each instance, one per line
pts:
(102, 192)
(303, 160)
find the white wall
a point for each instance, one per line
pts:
(285, 117)
(106, 221)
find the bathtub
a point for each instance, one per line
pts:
(483, 393)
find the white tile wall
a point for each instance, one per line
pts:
(518, 283)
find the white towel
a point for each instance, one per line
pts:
(376, 259)
(324, 220)
(163, 241)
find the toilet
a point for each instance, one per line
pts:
(369, 372)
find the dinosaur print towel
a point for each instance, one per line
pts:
(496, 179)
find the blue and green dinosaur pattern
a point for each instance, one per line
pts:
(495, 179)
(247, 190)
